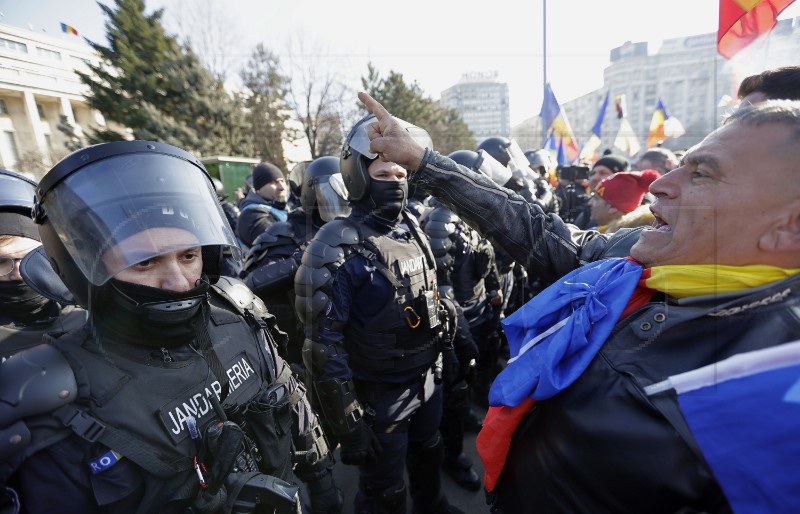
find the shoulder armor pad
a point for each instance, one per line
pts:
(322, 257)
(240, 296)
(34, 381)
(274, 233)
(441, 223)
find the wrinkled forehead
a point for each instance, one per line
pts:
(11, 245)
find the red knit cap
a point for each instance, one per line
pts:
(624, 191)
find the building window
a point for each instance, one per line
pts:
(41, 111)
(48, 141)
(14, 46)
(8, 145)
(3, 108)
(48, 54)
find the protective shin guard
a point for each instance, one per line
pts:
(424, 464)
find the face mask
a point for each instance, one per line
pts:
(20, 301)
(148, 316)
(390, 198)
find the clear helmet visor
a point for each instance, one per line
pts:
(360, 139)
(492, 168)
(519, 161)
(16, 192)
(127, 209)
(332, 197)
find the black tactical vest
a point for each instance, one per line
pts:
(468, 285)
(399, 338)
(141, 411)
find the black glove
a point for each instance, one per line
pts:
(360, 445)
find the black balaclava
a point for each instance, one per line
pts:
(388, 198)
(149, 316)
(21, 303)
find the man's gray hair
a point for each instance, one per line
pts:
(770, 111)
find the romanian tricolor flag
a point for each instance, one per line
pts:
(69, 29)
(742, 21)
(589, 150)
(663, 126)
(556, 122)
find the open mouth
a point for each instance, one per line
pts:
(660, 225)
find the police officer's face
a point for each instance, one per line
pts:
(388, 171)
(177, 270)
(15, 247)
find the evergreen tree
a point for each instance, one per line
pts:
(408, 102)
(265, 105)
(158, 89)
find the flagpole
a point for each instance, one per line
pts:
(716, 98)
(544, 61)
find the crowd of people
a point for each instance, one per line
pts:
(167, 349)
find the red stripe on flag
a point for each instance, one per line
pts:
(739, 26)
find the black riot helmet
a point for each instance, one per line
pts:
(295, 177)
(94, 207)
(497, 147)
(16, 204)
(323, 190)
(16, 193)
(356, 155)
(484, 163)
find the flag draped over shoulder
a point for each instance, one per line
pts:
(556, 122)
(69, 29)
(742, 21)
(589, 150)
(744, 412)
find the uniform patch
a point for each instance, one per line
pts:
(411, 266)
(104, 461)
(175, 415)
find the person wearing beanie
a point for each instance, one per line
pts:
(264, 205)
(605, 167)
(25, 315)
(617, 201)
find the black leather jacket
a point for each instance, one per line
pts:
(603, 445)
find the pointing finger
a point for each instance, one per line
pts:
(374, 107)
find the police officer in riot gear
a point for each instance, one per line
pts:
(271, 263)
(173, 397)
(465, 270)
(367, 291)
(25, 315)
(230, 210)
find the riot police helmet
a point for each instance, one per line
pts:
(484, 163)
(497, 147)
(95, 209)
(356, 155)
(16, 193)
(323, 189)
(296, 176)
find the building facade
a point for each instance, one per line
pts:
(43, 112)
(689, 77)
(482, 102)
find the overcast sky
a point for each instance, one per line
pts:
(428, 41)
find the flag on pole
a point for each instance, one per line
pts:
(626, 139)
(561, 157)
(589, 150)
(662, 126)
(744, 412)
(742, 21)
(69, 29)
(556, 122)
